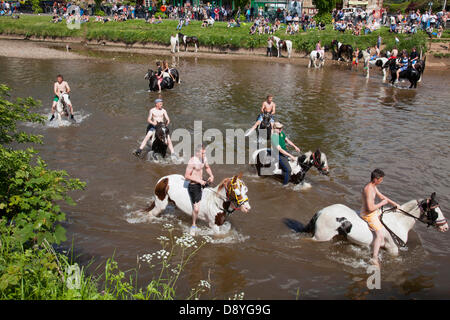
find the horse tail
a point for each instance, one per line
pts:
(297, 226)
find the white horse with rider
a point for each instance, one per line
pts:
(339, 219)
(63, 108)
(216, 204)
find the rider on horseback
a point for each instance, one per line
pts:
(155, 115)
(59, 88)
(370, 212)
(403, 63)
(279, 140)
(268, 106)
(194, 173)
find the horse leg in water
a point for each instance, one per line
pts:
(161, 198)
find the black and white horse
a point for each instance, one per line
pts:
(379, 62)
(167, 82)
(266, 165)
(411, 74)
(339, 219)
(316, 59)
(188, 40)
(282, 44)
(265, 126)
(158, 143)
(342, 50)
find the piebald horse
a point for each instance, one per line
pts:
(280, 44)
(341, 50)
(62, 108)
(266, 165)
(187, 40)
(317, 59)
(339, 219)
(216, 205)
(379, 62)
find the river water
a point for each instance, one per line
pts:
(359, 124)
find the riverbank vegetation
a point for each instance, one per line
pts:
(218, 36)
(33, 265)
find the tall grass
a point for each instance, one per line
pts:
(219, 36)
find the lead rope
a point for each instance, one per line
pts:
(395, 237)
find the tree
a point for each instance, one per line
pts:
(324, 6)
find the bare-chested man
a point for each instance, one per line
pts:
(268, 106)
(370, 212)
(59, 88)
(155, 115)
(194, 173)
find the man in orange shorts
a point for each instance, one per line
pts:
(370, 212)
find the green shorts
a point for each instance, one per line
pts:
(56, 98)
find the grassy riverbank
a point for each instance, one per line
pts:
(219, 36)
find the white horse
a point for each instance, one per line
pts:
(317, 59)
(282, 43)
(174, 43)
(339, 219)
(62, 107)
(266, 164)
(216, 204)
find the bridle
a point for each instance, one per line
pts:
(425, 218)
(317, 163)
(233, 195)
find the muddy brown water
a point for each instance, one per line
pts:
(359, 124)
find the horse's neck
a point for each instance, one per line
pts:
(400, 223)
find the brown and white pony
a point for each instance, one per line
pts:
(216, 204)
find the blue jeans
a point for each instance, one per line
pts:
(285, 167)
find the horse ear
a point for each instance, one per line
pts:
(240, 175)
(433, 196)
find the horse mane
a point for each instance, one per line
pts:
(223, 183)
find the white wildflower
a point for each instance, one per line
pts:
(237, 296)
(162, 238)
(146, 257)
(205, 284)
(162, 254)
(175, 271)
(168, 226)
(186, 241)
(207, 239)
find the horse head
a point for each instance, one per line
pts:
(161, 132)
(237, 193)
(265, 123)
(317, 159)
(430, 212)
(149, 74)
(379, 63)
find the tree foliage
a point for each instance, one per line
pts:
(324, 6)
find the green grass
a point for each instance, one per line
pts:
(219, 36)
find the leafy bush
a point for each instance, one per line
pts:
(323, 17)
(35, 4)
(160, 14)
(100, 13)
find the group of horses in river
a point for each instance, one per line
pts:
(345, 52)
(231, 194)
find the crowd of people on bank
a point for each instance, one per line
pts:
(362, 22)
(9, 8)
